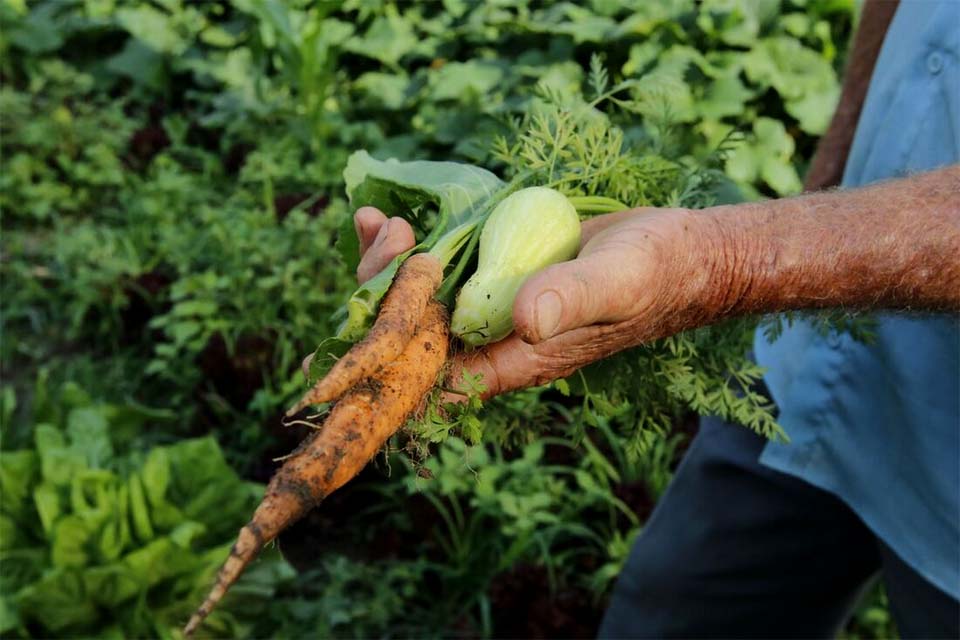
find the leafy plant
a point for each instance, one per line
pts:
(508, 510)
(99, 540)
(346, 598)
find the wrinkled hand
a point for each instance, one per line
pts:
(640, 275)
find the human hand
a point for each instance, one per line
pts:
(640, 275)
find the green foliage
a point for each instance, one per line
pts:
(547, 503)
(346, 598)
(98, 537)
(63, 145)
(159, 267)
(440, 77)
(872, 619)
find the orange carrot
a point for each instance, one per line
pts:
(358, 425)
(401, 310)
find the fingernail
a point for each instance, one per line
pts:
(547, 312)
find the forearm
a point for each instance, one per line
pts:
(826, 168)
(895, 245)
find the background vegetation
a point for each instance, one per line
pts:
(170, 187)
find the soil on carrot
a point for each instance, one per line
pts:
(405, 306)
(333, 456)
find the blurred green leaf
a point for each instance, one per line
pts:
(466, 81)
(88, 430)
(58, 599)
(140, 63)
(36, 32)
(724, 96)
(806, 81)
(737, 22)
(154, 28)
(766, 156)
(389, 38)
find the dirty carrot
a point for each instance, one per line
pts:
(357, 426)
(401, 310)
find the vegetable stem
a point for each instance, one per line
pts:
(450, 243)
(447, 289)
(593, 205)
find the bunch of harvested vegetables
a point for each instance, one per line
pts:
(387, 375)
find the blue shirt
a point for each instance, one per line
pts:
(879, 425)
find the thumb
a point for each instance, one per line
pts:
(597, 288)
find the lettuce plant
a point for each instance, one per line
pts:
(98, 540)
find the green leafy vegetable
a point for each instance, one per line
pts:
(90, 537)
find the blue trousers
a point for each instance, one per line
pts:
(737, 550)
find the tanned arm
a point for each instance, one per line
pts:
(826, 168)
(894, 245)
